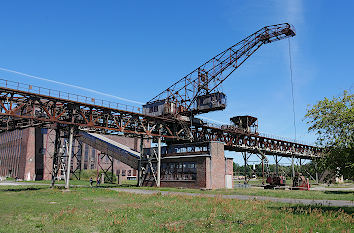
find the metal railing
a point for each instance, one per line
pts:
(67, 96)
(219, 126)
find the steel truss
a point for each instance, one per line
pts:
(110, 168)
(29, 107)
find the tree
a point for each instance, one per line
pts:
(333, 121)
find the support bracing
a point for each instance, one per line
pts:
(77, 157)
(56, 155)
(109, 176)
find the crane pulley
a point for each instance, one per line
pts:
(198, 92)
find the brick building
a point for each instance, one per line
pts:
(27, 154)
(201, 165)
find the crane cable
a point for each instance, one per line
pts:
(292, 88)
(293, 100)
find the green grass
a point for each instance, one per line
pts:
(298, 194)
(40, 209)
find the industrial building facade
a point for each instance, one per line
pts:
(27, 154)
(198, 165)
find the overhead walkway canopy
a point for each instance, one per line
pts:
(111, 148)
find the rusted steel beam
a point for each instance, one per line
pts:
(21, 109)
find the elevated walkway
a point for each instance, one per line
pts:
(111, 148)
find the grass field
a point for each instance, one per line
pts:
(41, 209)
(299, 194)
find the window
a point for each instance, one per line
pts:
(129, 172)
(123, 172)
(179, 171)
(42, 151)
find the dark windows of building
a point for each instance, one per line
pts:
(42, 151)
(123, 172)
(44, 131)
(153, 109)
(86, 153)
(179, 171)
(129, 172)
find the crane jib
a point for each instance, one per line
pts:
(199, 91)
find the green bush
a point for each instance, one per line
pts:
(87, 174)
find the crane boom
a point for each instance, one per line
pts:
(198, 91)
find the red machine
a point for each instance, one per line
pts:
(274, 181)
(300, 182)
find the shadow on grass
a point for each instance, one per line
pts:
(22, 189)
(308, 209)
(115, 186)
(339, 192)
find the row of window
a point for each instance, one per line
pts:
(126, 172)
(179, 171)
(153, 109)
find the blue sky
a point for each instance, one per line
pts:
(136, 49)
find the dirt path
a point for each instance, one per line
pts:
(337, 203)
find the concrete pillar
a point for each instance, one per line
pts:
(102, 178)
(71, 135)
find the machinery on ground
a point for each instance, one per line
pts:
(274, 180)
(300, 182)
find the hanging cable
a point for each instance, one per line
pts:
(292, 88)
(293, 99)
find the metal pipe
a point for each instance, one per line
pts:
(71, 135)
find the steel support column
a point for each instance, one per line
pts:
(56, 159)
(158, 162)
(68, 169)
(276, 165)
(292, 167)
(245, 168)
(139, 183)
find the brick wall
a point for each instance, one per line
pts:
(217, 165)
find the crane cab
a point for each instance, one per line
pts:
(160, 108)
(211, 102)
